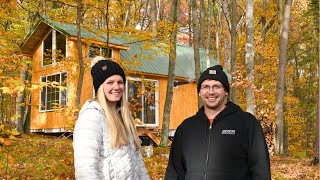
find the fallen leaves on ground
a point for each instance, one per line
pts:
(37, 156)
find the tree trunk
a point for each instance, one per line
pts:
(279, 110)
(196, 42)
(309, 124)
(127, 16)
(317, 144)
(263, 38)
(153, 16)
(250, 105)
(26, 116)
(202, 24)
(190, 22)
(209, 14)
(79, 43)
(234, 89)
(145, 15)
(171, 74)
(226, 47)
(217, 17)
(20, 103)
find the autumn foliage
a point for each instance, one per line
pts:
(32, 156)
(51, 157)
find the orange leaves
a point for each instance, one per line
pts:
(5, 142)
(156, 165)
(289, 168)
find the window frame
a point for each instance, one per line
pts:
(156, 96)
(53, 47)
(100, 51)
(65, 73)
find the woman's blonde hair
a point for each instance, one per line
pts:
(119, 121)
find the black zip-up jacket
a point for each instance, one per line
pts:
(232, 148)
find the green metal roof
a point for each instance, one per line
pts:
(71, 30)
(155, 62)
(152, 60)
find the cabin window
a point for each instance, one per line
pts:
(54, 48)
(54, 94)
(99, 51)
(143, 101)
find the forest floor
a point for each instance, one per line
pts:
(36, 156)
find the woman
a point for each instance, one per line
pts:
(105, 141)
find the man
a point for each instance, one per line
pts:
(220, 142)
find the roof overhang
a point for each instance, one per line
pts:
(34, 38)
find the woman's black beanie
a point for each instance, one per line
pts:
(214, 73)
(102, 70)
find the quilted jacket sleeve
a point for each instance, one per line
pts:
(143, 170)
(87, 139)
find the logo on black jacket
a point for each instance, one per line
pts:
(229, 131)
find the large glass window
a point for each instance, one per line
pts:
(54, 94)
(54, 48)
(99, 51)
(143, 100)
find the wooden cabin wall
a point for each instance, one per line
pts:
(43, 120)
(184, 102)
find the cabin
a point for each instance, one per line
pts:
(146, 69)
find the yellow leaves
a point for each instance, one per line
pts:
(14, 132)
(5, 90)
(19, 88)
(138, 121)
(34, 87)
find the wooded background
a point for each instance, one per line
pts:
(271, 48)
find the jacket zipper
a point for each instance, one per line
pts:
(208, 147)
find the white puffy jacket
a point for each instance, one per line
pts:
(93, 156)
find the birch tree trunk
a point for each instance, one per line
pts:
(234, 89)
(79, 43)
(171, 74)
(20, 103)
(250, 105)
(280, 88)
(196, 42)
(217, 33)
(209, 14)
(127, 16)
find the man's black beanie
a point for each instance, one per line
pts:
(102, 70)
(214, 73)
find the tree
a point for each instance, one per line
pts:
(79, 43)
(127, 16)
(171, 73)
(196, 41)
(209, 14)
(234, 89)
(279, 110)
(315, 7)
(20, 101)
(250, 58)
(153, 16)
(317, 144)
(202, 23)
